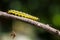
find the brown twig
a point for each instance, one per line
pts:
(38, 24)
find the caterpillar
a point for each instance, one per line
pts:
(22, 14)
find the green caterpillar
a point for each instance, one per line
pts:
(22, 14)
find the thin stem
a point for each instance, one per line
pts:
(38, 24)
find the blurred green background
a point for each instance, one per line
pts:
(48, 12)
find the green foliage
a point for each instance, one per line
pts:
(33, 4)
(15, 5)
(56, 20)
(54, 9)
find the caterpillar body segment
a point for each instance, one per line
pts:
(22, 14)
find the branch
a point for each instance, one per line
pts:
(38, 24)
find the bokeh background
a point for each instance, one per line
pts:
(48, 12)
